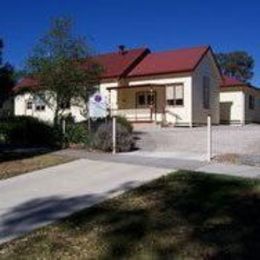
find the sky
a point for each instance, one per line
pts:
(226, 25)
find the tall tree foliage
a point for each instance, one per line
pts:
(237, 64)
(62, 64)
(6, 77)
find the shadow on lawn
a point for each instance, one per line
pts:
(10, 153)
(181, 215)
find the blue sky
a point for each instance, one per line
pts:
(226, 25)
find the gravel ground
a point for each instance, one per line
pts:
(241, 140)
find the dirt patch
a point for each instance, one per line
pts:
(13, 168)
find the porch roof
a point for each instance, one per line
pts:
(137, 86)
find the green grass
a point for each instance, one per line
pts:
(181, 216)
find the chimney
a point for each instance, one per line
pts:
(122, 49)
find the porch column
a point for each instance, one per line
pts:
(109, 103)
(152, 106)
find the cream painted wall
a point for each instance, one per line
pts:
(112, 96)
(232, 107)
(179, 115)
(78, 112)
(208, 68)
(235, 105)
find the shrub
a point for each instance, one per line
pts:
(103, 138)
(76, 134)
(95, 124)
(124, 122)
(23, 130)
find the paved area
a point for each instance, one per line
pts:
(38, 198)
(41, 197)
(153, 159)
(230, 169)
(191, 143)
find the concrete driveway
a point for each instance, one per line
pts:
(38, 198)
(191, 143)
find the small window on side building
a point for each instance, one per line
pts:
(251, 102)
(39, 103)
(206, 92)
(29, 105)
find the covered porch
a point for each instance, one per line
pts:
(140, 103)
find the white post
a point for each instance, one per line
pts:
(114, 134)
(63, 126)
(209, 139)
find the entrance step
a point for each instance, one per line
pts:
(143, 125)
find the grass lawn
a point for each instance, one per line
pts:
(14, 167)
(181, 216)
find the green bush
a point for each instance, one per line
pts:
(76, 134)
(124, 122)
(103, 138)
(23, 130)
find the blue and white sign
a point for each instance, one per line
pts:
(98, 106)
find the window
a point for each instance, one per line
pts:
(206, 92)
(251, 102)
(145, 99)
(175, 95)
(39, 103)
(40, 107)
(29, 105)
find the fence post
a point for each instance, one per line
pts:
(63, 126)
(114, 134)
(209, 139)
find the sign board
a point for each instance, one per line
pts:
(98, 106)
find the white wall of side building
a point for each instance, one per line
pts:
(177, 115)
(232, 107)
(206, 68)
(111, 95)
(235, 108)
(47, 115)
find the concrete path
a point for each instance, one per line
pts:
(41, 197)
(231, 169)
(158, 160)
(38, 198)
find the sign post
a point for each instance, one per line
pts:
(63, 126)
(114, 134)
(209, 139)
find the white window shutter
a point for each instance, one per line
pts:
(178, 92)
(169, 92)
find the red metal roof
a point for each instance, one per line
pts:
(118, 64)
(114, 64)
(26, 83)
(231, 82)
(182, 60)
(228, 82)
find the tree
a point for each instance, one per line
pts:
(63, 66)
(237, 64)
(6, 77)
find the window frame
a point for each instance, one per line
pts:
(251, 102)
(174, 100)
(146, 94)
(27, 104)
(206, 92)
(39, 103)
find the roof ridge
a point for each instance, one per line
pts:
(206, 47)
(116, 51)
